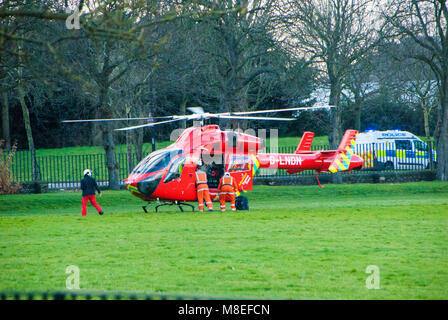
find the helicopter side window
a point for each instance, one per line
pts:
(175, 170)
(239, 163)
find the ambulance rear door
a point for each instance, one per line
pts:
(405, 155)
(421, 154)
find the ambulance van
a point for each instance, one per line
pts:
(393, 149)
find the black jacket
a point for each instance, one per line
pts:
(88, 186)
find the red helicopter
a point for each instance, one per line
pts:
(169, 174)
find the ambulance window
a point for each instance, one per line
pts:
(419, 146)
(175, 170)
(403, 144)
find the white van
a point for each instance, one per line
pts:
(392, 149)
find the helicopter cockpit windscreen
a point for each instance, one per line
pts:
(175, 170)
(156, 161)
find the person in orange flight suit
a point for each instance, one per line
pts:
(202, 190)
(227, 189)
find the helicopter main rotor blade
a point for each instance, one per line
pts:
(278, 110)
(114, 119)
(253, 118)
(152, 124)
(199, 114)
(196, 110)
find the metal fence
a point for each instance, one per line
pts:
(66, 171)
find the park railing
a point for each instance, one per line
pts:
(66, 171)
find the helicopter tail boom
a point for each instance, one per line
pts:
(342, 159)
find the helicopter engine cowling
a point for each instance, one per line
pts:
(240, 142)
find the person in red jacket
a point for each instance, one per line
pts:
(88, 187)
(202, 190)
(227, 189)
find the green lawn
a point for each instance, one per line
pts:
(295, 242)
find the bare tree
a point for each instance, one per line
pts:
(105, 58)
(426, 23)
(419, 89)
(237, 44)
(334, 35)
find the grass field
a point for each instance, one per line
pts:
(295, 242)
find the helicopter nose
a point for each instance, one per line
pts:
(356, 162)
(148, 185)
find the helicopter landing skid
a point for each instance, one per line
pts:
(172, 203)
(175, 203)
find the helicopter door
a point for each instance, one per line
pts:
(214, 169)
(240, 167)
(175, 170)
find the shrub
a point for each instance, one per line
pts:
(6, 177)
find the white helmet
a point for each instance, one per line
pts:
(227, 174)
(88, 172)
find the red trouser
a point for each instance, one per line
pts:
(92, 201)
(227, 193)
(203, 193)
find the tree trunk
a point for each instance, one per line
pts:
(29, 133)
(335, 133)
(129, 155)
(442, 143)
(225, 105)
(96, 136)
(104, 108)
(5, 121)
(183, 111)
(357, 113)
(111, 161)
(427, 134)
(138, 145)
(436, 132)
(242, 105)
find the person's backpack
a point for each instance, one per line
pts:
(242, 203)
